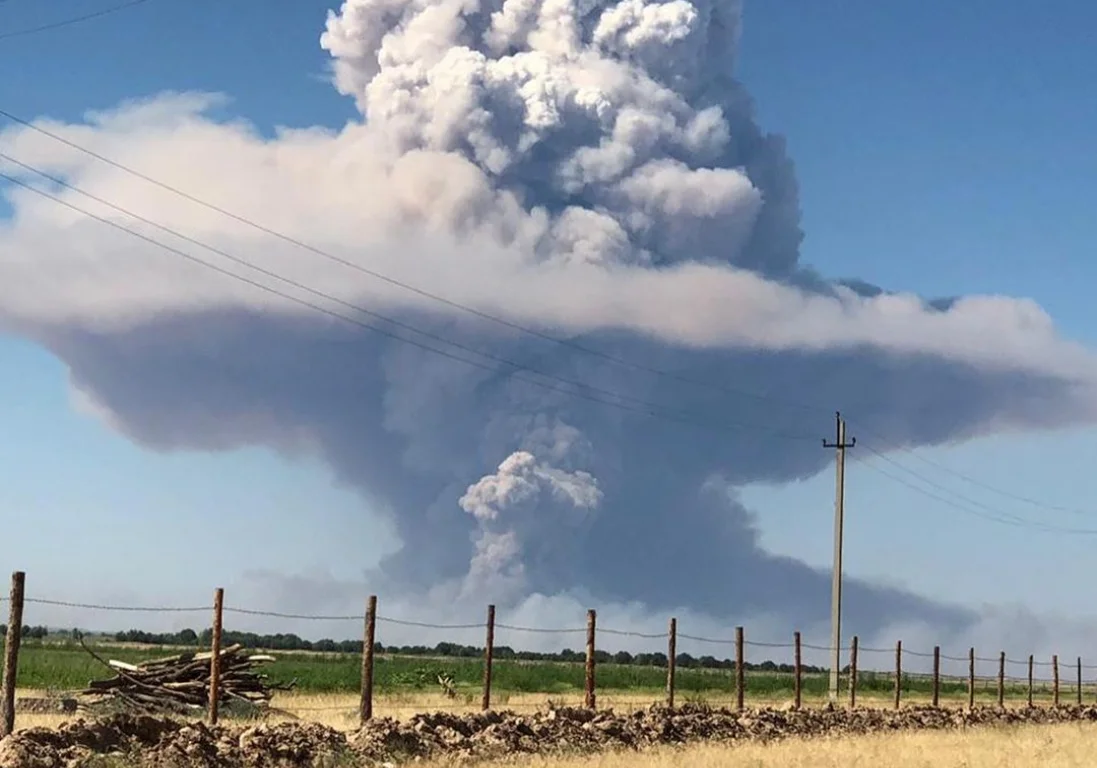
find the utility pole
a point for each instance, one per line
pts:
(839, 445)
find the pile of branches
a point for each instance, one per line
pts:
(182, 683)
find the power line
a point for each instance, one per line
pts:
(643, 406)
(991, 514)
(945, 489)
(404, 285)
(72, 20)
(487, 316)
(984, 485)
(943, 499)
(321, 294)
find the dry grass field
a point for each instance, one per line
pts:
(1058, 746)
(1051, 746)
(340, 710)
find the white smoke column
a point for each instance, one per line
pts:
(602, 114)
(510, 510)
(589, 168)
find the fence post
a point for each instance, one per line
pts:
(215, 656)
(898, 672)
(798, 672)
(1055, 680)
(739, 679)
(11, 651)
(971, 679)
(365, 705)
(1079, 681)
(489, 652)
(853, 673)
(672, 657)
(936, 675)
(1002, 680)
(591, 622)
(1030, 681)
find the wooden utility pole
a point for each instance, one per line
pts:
(592, 619)
(936, 676)
(798, 670)
(672, 656)
(839, 445)
(369, 639)
(11, 652)
(853, 674)
(898, 673)
(740, 679)
(489, 655)
(215, 655)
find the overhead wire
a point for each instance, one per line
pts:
(971, 507)
(634, 365)
(643, 407)
(71, 20)
(490, 317)
(979, 483)
(942, 488)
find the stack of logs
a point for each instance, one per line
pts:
(182, 682)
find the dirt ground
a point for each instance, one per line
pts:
(340, 711)
(557, 732)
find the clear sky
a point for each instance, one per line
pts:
(941, 148)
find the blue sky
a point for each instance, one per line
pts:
(940, 149)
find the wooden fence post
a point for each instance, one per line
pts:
(672, 660)
(853, 673)
(936, 675)
(971, 679)
(798, 672)
(215, 656)
(1030, 681)
(11, 651)
(740, 682)
(489, 653)
(1055, 680)
(898, 672)
(369, 635)
(1002, 680)
(1079, 681)
(591, 622)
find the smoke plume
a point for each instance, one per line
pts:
(590, 169)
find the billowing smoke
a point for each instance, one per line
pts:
(590, 169)
(516, 492)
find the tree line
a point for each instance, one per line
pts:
(27, 633)
(291, 642)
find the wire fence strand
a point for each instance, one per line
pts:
(1067, 667)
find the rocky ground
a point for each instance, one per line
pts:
(146, 741)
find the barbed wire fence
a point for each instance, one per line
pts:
(715, 670)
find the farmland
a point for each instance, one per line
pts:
(538, 718)
(65, 666)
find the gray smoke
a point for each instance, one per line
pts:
(592, 169)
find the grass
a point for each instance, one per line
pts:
(67, 667)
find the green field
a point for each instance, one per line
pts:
(67, 667)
